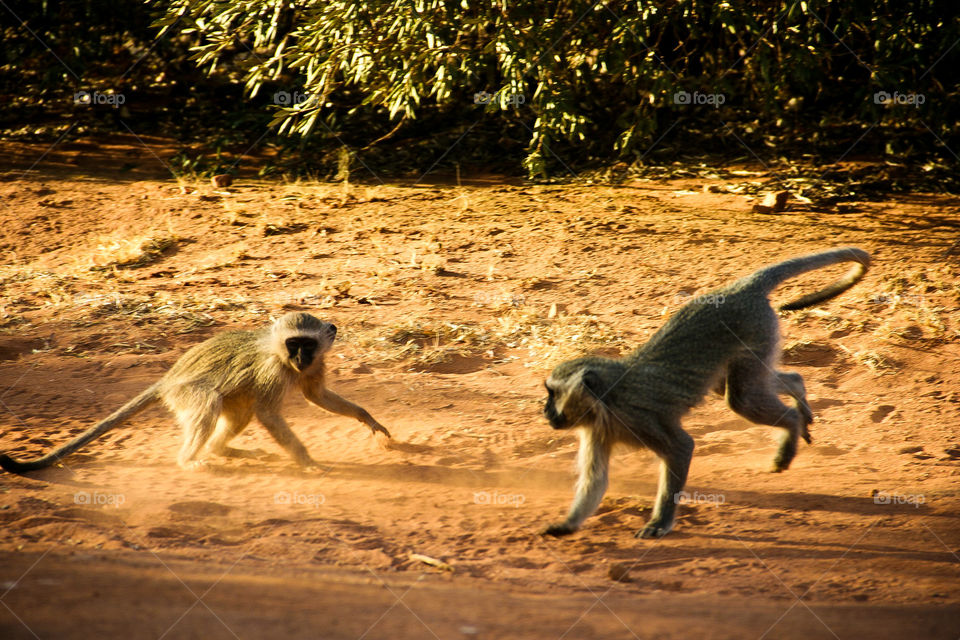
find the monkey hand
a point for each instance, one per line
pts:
(376, 428)
(557, 530)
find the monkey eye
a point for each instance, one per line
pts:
(301, 349)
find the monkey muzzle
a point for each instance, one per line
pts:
(557, 420)
(301, 352)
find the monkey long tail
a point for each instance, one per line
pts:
(776, 274)
(135, 406)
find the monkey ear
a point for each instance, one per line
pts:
(590, 380)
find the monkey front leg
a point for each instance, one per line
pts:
(593, 460)
(675, 456)
(332, 402)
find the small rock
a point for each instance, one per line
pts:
(913, 449)
(619, 572)
(222, 181)
(776, 201)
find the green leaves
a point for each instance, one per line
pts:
(600, 78)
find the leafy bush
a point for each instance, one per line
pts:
(597, 79)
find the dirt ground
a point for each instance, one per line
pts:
(453, 302)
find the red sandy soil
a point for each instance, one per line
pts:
(453, 303)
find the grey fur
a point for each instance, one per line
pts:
(728, 341)
(217, 386)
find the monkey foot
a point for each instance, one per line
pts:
(194, 465)
(557, 530)
(315, 467)
(652, 530)
(230, 452)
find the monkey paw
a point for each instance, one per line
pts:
(194, 465)
(557, 530)
(780, 465)
(382, 439)
(230, 452)
(315, 469)
(653, 530)
(312, 466)
(380, 429)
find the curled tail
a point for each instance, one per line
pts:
(128, 410)
(772, 276)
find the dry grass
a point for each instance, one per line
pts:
(421, 342)
(550, 341)
(118, 252)
(877, 362)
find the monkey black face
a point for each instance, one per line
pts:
(556, 419)
(302, 351)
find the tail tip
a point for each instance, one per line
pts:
(8, 463)
(13, 466)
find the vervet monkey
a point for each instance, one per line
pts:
(217, 386)
(727, 340)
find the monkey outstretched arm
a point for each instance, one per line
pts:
(594, 464)
(330, 401)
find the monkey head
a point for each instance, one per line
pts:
(304, 340)
(573, 393)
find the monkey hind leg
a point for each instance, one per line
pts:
(752, 389)
(286, 438)
(675, 452)
(231, 423)
(198, 420)
(792, 384)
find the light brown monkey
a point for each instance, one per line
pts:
(726, 340)
(217, 386)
